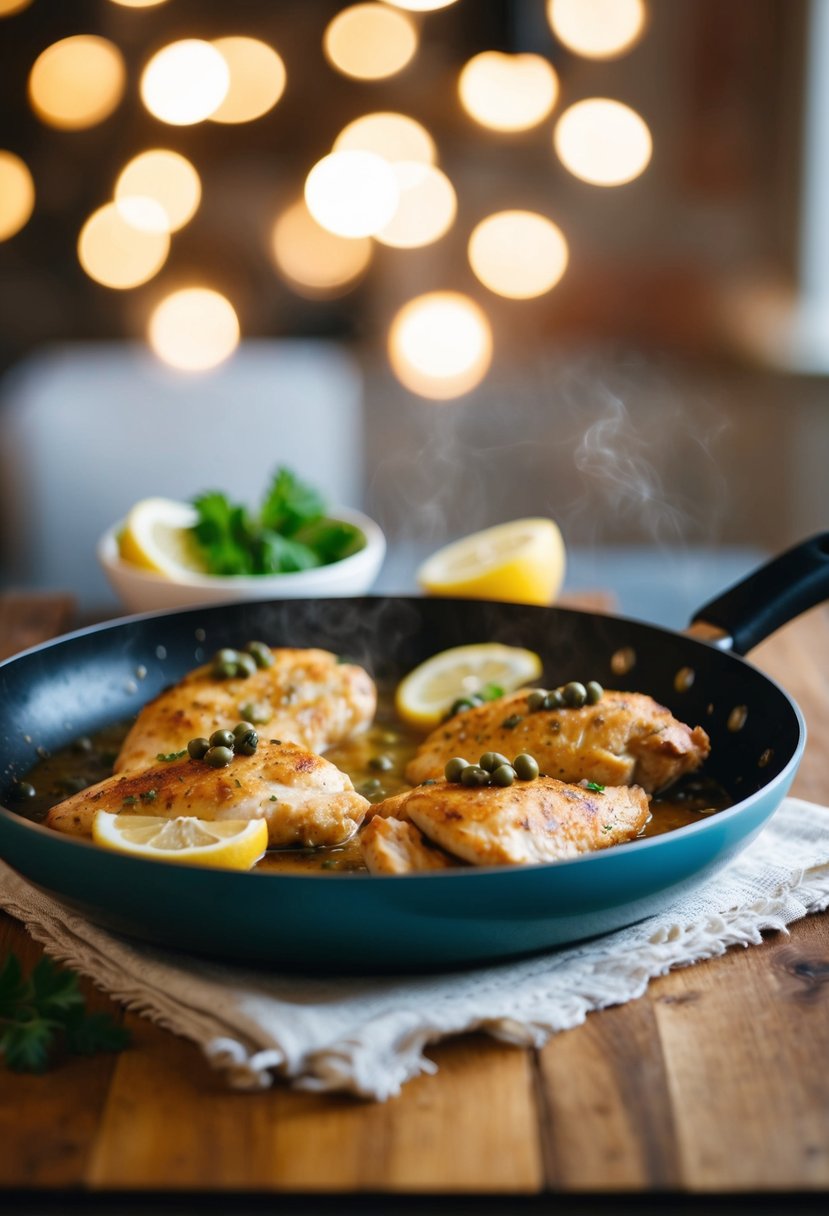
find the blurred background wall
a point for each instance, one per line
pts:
(667, 388)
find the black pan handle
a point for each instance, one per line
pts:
(776, 593)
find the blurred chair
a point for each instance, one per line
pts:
(87, 430)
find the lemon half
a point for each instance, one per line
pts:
(156, 536)
(228, 844)
(522, 561)
(425, 695)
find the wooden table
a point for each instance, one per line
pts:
(716, 1081)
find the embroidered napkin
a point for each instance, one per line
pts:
(368, 1035)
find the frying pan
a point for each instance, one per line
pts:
(355, 922)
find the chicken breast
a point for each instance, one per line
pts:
(627, 738)
(305, 799)
(306, 697)
(391, 846)
(530, 821)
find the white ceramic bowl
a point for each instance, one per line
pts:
(142, 591)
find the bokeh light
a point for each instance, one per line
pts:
(421, 6)
(313, 260)
(185, 82)
(352, 193)
(158, 191)
(370, 41)
(440, 345)
(603, 142)
(77, 82)
(17, 194)
(507, 92)
(139, 3)
(194, 329)
(427, 208)
(597, 29)
(518, 254)
(9, 7)
(257, 79)
(392, 136)
(117, 255)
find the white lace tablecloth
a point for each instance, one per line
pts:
(369, 1035)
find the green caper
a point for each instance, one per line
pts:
(473, 775)
(218, 757)
(594, 691)
(454, 768)
(222, 738)
(526, 767)
(247, 743)
(575, 694)
(371, 786)
(245, 665)
(255, 712)
(241, 729)
(460, 705)
(381, 763)
(554, 699)
(503, 775)
(261, 652)
(512, 721)
(23, 789)
(492, 760)
(223, 671)
(198, 748)
(535, 700)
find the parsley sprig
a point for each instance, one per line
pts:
(289, 532)
(45, 1010)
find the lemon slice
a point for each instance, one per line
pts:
(229, 844)
(425, 695)
(522, 561)
(156, 536)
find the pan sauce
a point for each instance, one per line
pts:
(375, 761)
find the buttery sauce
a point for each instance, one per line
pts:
(375, 761)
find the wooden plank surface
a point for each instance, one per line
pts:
(714, 1081)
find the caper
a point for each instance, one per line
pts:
(594, 691)
(247, 743)
(222, 738)
(473, 775)
(255, 712)
(226, 655)
(460, 705)
(371, 786)
(218, 757)
(492, 760)
(223, 665)
(23, 789)
(554, 699)
(245, 665)
(454, 768)
(261, 652)
(381, 763)
(575, 694)
(512, 721)
(526, 767)
(241, 729)
(535, 700)
(503, 775)
(198, 748)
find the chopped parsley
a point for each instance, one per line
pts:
(594, 786)
(167, 756)
(149, 796)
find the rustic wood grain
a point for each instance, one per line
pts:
(714, 1081)
(27, 618)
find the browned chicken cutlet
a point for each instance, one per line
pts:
(391, 846)
(530, 821)
(304, 799)
(306, 697)
(626, 738)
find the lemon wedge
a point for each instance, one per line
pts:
(522, 561)
(156, 536)
(228, 844)
(426, 694)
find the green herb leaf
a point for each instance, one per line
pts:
(54, 990)
(167, 756)
(594, 786)
(25, 1045)
(289, 503)
(491, 692)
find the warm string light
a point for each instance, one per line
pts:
(603, 142)
(390, 135)
(352, 194)
(440, 345)
(185, 82)
(77, 82)
(370, 41)
(257, 79)
(518, 254)
(17, 194)
(597, 29)
(508, 92)
(194, 329)
(426, 209)
(314, 261)
(117, 255)
(158, 191)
